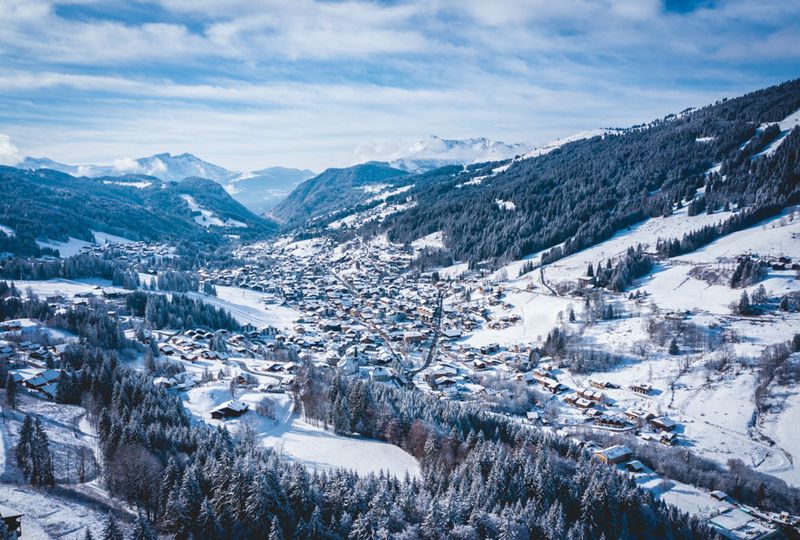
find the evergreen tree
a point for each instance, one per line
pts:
(143, 529)
(11, 392)
(111, 530)
(673, 347)
(275, 531)
(744, 307)
(43, 474)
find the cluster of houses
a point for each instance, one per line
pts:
(43, 382)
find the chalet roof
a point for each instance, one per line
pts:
(7, 512)
(233, 405)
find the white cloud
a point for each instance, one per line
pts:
(126, 165)
(249, 83)
(9, 154)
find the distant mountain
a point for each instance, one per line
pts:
(434, 152)
(164, 166)
(262, 190)
(258, 190)
(336, 189)
(48, 204)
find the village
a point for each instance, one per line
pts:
(359, 309)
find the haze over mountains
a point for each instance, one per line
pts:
(263, 189)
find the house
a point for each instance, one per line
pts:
(44, 382)
(229, 409)
(12, 520)
(638, 416)
(641, 388)
(664, 423)
(667, 438)
(614, 454)
(719, 495)
(634, 466)
(733, 522)
(611, 421)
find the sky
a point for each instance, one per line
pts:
(248, 84)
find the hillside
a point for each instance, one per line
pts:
(257, 190)
(336, 189)
(49, 205)
(582, 192)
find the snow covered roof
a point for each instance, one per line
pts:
(233, 405)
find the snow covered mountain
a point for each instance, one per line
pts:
(258, 190)
(433, 152)
(168, 167)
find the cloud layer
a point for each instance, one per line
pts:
(303, 83)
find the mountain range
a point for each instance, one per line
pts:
(257, 190)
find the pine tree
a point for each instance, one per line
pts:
(143, 529)
(24, 449)
(744, 307)
(673, 347)
(207, 525)
(275, 531)
(111, 530)
(88, 535)
(42, 457)
(11, 392)
(784, 305)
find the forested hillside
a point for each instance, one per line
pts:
(335, 189)
(585, 191)
(46, 204)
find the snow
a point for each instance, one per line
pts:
(433, 241)
(137, 185)
(383, 195)
(783, 430)
(505, 205)
(69, 248)
(106, 238)
(646, 233)
(249, 307)
(304, 248)
(434, 152)
(68, 288)
(775, 237)
(374, 188)
(538, 313)
(786, 126)
(558, 143)
(300, 441)
(52, 514)
(704, 139)
(7, 230)
(207, 218)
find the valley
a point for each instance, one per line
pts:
(392, 333)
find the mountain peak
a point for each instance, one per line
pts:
(435, 151)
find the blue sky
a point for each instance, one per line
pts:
(251, 83)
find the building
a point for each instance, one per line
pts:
(229, 409)
(664, 423)
(735, 523)
(614, 454)
(13, 521)
(641, 388)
